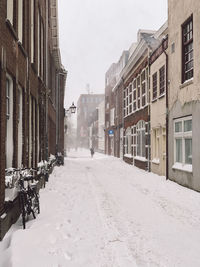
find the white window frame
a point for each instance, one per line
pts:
(32, 32)
(130, 91)
(127, 100)
(139, 98)
(20, 20)
(182, 135)
(128, 143)
(156, 145)
(7, 98)
(134, 99)
(143, 95)
(9, 125)
(140, 127)
(10, 11)
(112, 117)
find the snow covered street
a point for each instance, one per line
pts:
(102, 212)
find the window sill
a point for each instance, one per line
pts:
(161, 96)
(22, 49)
(140, 158)
(11, 28)
(156, 161)
(186, 83)
(128, 156)
(182, 167)
(135, 111)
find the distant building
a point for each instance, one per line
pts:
(110, 81)
(86, 105)
(101, 127)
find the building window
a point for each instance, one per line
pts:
(20, 20)
(9, 123)
(10, 11)
(154, 86)
(7, 99)
(187, 50)
(112, 118)
(130, 98)
(39, 42)
(32, 31)
(143, 82)
(138, 92)
(162, 80)
(140, 132)
(42, 48)
(156, 143)
(20, 125)
(128, 141)
(183, 140)
(134, 96)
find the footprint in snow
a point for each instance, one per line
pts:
(67, 256)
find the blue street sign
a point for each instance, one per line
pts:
(111, 132)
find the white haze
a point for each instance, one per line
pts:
(93, 34)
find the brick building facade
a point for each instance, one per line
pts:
(32, 82)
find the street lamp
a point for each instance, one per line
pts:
(67, 123)
(73, 108)
(70, 110)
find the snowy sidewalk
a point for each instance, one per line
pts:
(102, 212)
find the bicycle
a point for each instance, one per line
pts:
(28, 195)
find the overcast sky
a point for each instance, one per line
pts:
(94, 33)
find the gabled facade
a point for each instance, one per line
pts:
(184, 92)
(136, 97)
(158, 65)
(32, 82)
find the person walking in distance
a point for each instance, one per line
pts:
(92, 151)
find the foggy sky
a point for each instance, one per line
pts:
(94, 33)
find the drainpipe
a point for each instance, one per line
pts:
(47, 83)
(167, 114)
(122, 79)
(57, 88)
(149, 112)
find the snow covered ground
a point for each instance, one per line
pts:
(102, 212)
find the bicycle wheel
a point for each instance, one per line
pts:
(36, 202)
(23, 209)
(30, 206)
